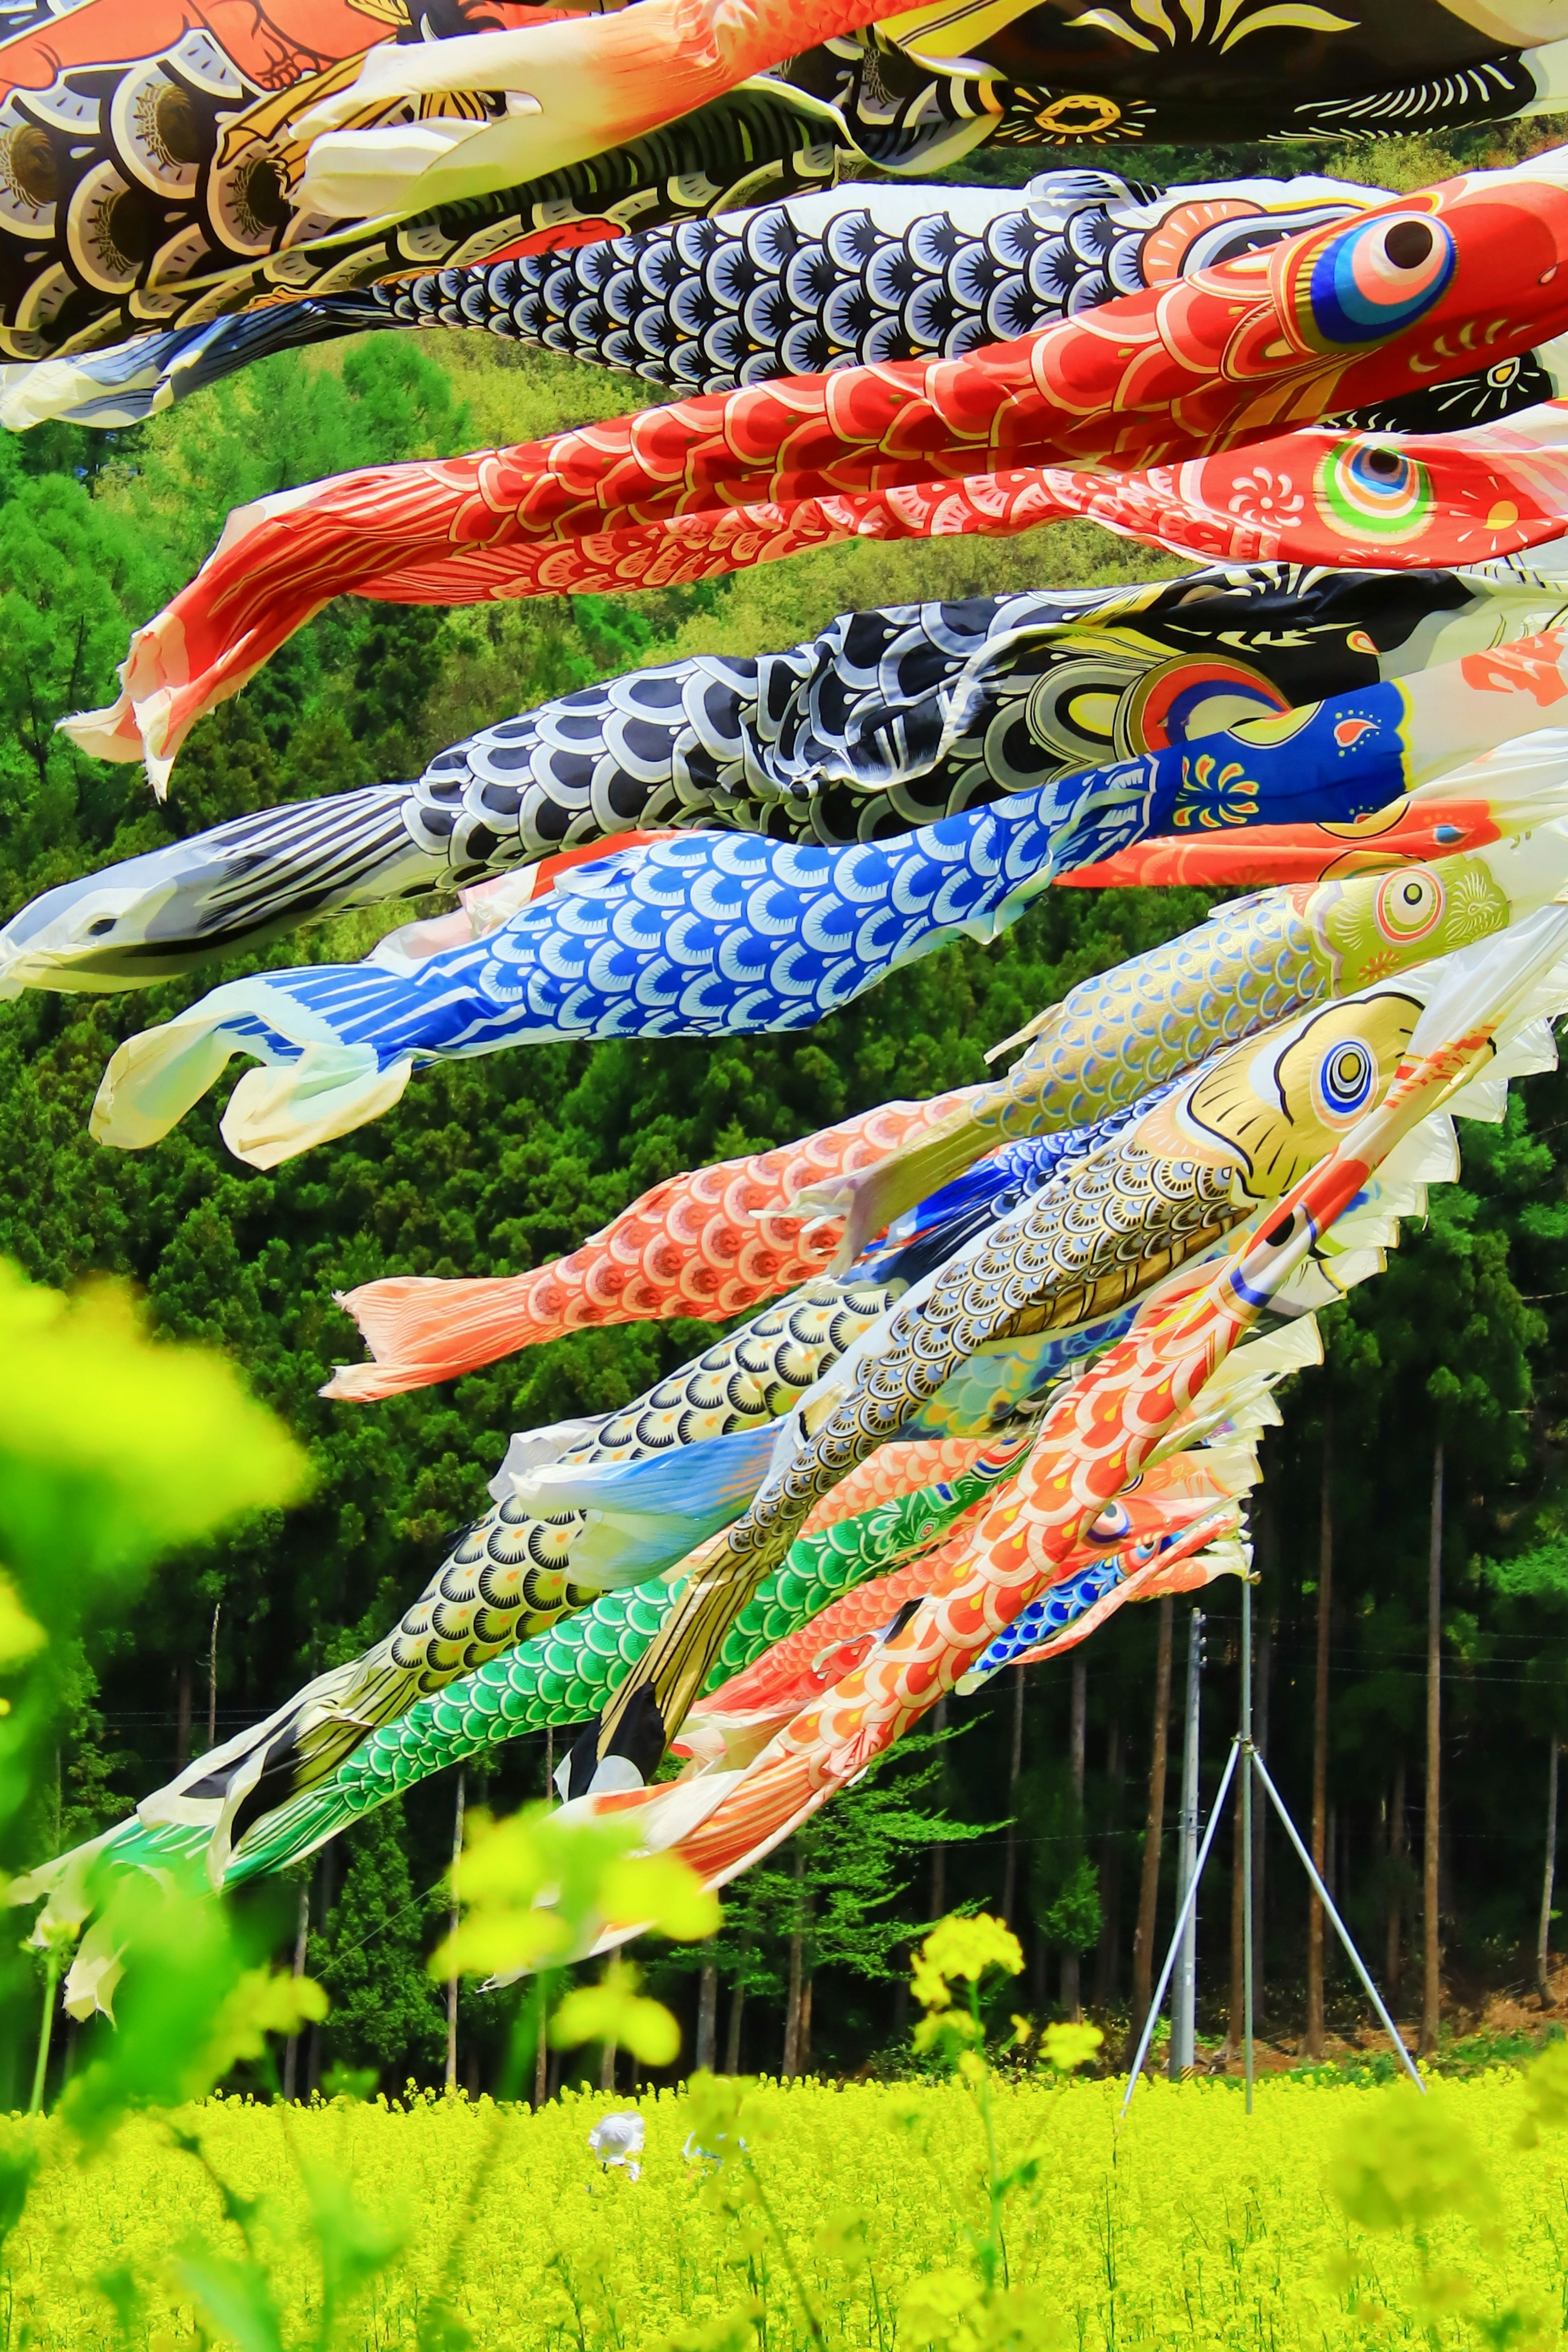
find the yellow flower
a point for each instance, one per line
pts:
(1066, 2047)
(963, 1947)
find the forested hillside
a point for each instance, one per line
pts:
(493, 1165)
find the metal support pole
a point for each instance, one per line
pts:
(1184, 2007)
(1246, 1753)
(1180, 1929)
(1340, 1930)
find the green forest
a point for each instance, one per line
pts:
(1033, 1797)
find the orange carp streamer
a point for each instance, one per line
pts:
(710, 1245)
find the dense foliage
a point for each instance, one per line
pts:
(493, 1165)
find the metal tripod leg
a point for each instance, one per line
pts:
(1340, 1930)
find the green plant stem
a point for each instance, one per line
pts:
(45, 2034)
(996, 2244)
(795, 2280)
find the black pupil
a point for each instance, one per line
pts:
(1408, 244)
(1385, 462)
(104, 923)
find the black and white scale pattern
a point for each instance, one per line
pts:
(851, 275)
(848, 275)
(895, 717)
(886, 719)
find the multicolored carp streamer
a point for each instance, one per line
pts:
(1120, 1033)
(884, 721)
(714, 934)
(1099, 1434)
(827, 281)
(557, 1677)
(1309, 327)
(1244, 1130)
(677, 1246)
(1186, 1509)
(712, 1244)
(167, 164)
(602, 1504)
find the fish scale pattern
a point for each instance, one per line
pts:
(714, 934)
(711, 303)
(1086, 1244)
(569, 1671)
(895, 716)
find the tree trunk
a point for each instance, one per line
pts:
(607, 2067)
(1543, 1938)
(212, 1680)
(1432, 1990)
(732, 2031)
(1149, 1888)
(1320, 1741)
(804, 2053)
(1394, 1948)
(292, 2047)
(708, 2015)
(939, 1853)
(791, 2066)
(183, 1716)
(541, 2065)
(1107, 1958)
(1071, 1963)
(454, 1920)
(549, 1762)
(1014, 1769)
(1262, 1675)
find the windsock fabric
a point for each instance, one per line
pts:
(1094, 1441)
(1232, 354)
(831, 279)
(712, 1244)
(713, 934)
(884, 721)
(1210, 71)
(160, 162)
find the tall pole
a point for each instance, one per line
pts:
(1432, 1997)
(1184, 2018)
(1149, 1888)
(1321, 1744)
(1543, 1939)
(1247, 1834)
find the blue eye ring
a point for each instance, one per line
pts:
(1374, 279)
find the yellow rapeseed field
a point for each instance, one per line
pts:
(1192, 2225)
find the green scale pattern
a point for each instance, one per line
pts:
(566, 1674)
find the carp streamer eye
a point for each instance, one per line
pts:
(1342, 1082)
(1408, 906)
(1112, 1524)
(1379, 277)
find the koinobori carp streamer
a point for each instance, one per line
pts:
(884, 721)
(1309, 327)
(714, 934)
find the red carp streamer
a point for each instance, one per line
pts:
(1329, 320)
